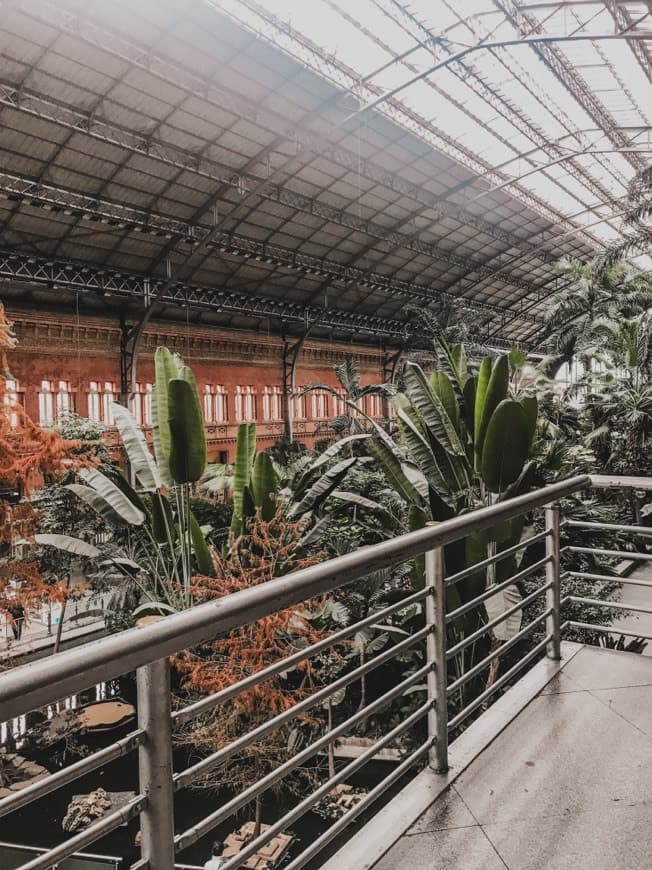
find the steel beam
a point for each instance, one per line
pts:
(324, 146)
(556, 61)
(114, 215)
(122, 286)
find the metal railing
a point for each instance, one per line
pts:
(445, 673)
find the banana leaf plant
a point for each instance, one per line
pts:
(302, 492)
(165, 544)
(464, 444)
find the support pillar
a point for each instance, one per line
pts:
(290, 359)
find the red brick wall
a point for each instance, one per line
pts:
(57, 347)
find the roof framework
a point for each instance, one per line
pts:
(283, 164)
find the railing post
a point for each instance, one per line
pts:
(436, 650)
(553, 576)
(155, 765)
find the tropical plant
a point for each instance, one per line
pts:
(464, 443)
(350, 397)
(29, 457)
(595, 294)
(164, 545)
(637, 238)
(266, 550)
(308, 489)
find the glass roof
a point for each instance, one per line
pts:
(559, 122)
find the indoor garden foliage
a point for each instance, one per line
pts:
(467, 429)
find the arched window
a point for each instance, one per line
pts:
(319, 404)
(245, 404)
(214, 403)
(12, 400)
(94, 402)
(272, 404)
(373, 406)
(300, 406)
(108, 397)
(141, 404)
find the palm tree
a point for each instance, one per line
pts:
(350, 398)
(597, 294)
(637, 238)
(620, 403)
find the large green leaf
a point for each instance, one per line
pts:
(264, 486)
(127, 489)
(307, 474)
(391, 466)
(480, 392)
(164, 527)
(68, 545)
(188, 444)
(111, 496)
(248, 506)
(354, 499)
(166, 367)
(470, 388)
(245, 447)
(531, 408)
(454, 361)
(200, 548)
(421, 453)
(498, 604)
(506, 446)
(138, 453)
(431, 409)
(495, 393)
(319, 491)
(442, 386)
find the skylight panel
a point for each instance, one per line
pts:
(494, 108)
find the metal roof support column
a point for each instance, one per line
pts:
(390, 365)
(290, 358)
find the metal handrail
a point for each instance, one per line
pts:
(146, 650)
(39, 683)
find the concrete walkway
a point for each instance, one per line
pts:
(567, 785)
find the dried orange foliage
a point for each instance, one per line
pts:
(267, 551)
(29, 456)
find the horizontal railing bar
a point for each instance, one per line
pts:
(496, 621)
(606, 481)
(216, 758)
(606, 629)
(625, 554)
(496, 587)
(36, 684)
(612, 605)
(506, 677)
(496, 654)
(485, 563)
(258, 787)
(609, 527)
(607, 578)
(317, 845)
(98, 829)
(69, 774)
(192, 710)
(308, 802)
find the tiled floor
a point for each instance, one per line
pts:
(566, 786)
